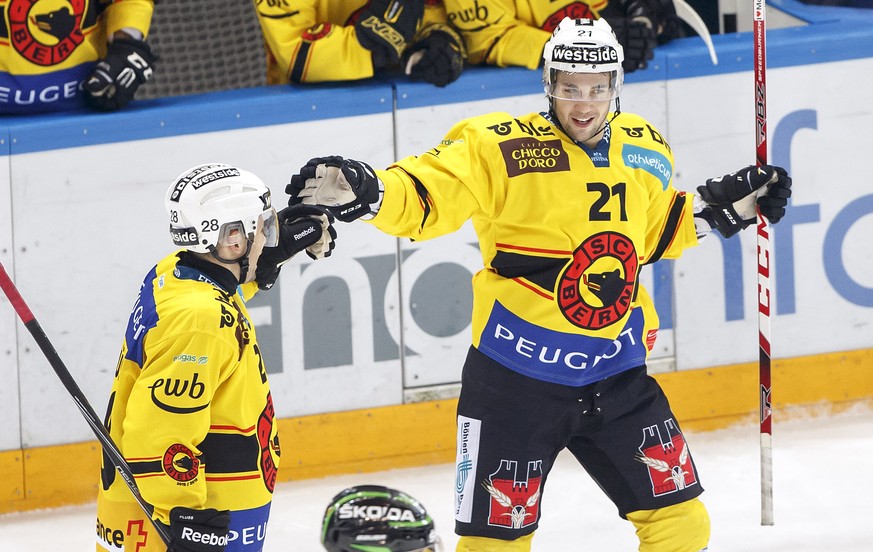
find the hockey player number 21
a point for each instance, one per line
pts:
(598, 211)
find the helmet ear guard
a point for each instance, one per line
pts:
(377, 518)
(583, 46)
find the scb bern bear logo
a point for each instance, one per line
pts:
(46, 32)
(597, 287)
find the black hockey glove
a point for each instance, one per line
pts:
(198, 530)
(128, 64)
(638, 41)
(656, 11)
(730, 199)
(349, 189)
(437, 57)
(301, 228)
(385, 27)
(673, 28)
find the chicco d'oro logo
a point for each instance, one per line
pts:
(180, 463)
(596, 289)
(46, 32)
(524, 155)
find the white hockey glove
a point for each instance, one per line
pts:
(347, 188)
(729, 201)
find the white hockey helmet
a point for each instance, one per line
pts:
(207, 202)
(583, 46)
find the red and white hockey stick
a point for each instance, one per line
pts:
(764, 265)
(79, 398)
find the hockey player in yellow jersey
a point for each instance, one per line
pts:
(190, 408)
(568, 205)
(513, 32)
(57, 56)
(343, 40)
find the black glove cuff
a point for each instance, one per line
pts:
(725, 219)
(124, 46)
(198, 530)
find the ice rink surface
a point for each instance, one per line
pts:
(823, 495)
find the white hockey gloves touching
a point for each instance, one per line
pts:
(347, 188)
(727, 203)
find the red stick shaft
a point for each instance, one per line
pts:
(764, 266)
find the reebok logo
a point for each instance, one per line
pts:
(305, 233)
(191, 535)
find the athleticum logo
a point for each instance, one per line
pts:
(650, 161)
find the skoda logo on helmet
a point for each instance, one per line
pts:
(584, 54)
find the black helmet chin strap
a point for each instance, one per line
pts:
(243, 269)
(614, 115)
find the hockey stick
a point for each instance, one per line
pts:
(764, 257)
(691, 18)
(79, 398)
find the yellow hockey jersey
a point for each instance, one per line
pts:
(513, 32)
(315, 40)
(47, 48)
(190, 409)
(563, 230)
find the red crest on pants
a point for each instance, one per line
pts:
(515, 503)
(667, 458)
